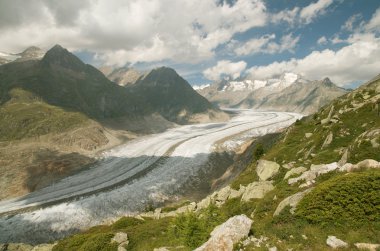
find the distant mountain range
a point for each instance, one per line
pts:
(290, 92)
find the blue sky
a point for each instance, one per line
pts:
(207, 40)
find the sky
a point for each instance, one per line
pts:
(206, 40)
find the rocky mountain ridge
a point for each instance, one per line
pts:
(290, 93)
(30, 53)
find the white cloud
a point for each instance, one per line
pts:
(313, 10)
(265, 44)
(374, 23)
(349, 25)
(254, 45)
(129, 31)
(302, 16)
(322, 40)
(226, 69)
(355, 62)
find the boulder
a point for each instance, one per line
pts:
(204, 203)
(365, 164)
(315, 171)
(367, 246)
(334, 242)
(266, 169)
(237, 193)
(121, 239)
(19, 247)
(308, 135)
(224, 236)
(161, 249)
(328, 140)
(291, 201)
(44, 247)
(294, 171)
(257, 190)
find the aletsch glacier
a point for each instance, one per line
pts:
(150, 169)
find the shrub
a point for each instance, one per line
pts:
(347, 200)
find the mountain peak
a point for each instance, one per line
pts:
(326, 81)
(58, 55)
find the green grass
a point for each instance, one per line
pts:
(26, 116)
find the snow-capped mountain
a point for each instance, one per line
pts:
(284, 93)
(30, 53)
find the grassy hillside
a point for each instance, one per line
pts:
(26, 115)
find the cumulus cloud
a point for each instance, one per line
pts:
(225, 69)
(357, 61)
(266, 44)
(129, 31)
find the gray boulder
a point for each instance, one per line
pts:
(267, 169)
(294, 171)
(257, 190)
(334, 242)
(291, 201)
(224, 236)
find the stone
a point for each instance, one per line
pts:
(328, 140)
(44, 247)
(334, 242)
(304, 237)
(257, 190)
(272, 249)
(19, 247)
(224, 236)
(315, 171)
(157, 213)
(267, 169)
(161, 249)
(291, 201)
(343, 159)
(365, 164)
(204, 203)
(294, 171)
(237, 193)
(308, 135)
(367, 246)
(121, 239)
(222, 195)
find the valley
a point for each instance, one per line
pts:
(147, 171)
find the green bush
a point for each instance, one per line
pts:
(124, 222)
(347, 200)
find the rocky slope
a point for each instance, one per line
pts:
(288, 93)
(316, 188)
(122, 76)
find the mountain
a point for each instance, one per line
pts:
(31, 53)
(57, 113)
(122, 76)
(172, 96)
(290, 92)
(316, 187)
(302, 97)
(228, 93)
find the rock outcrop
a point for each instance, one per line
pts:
(224, 236)
(266, 169)
(257, 190)
(291, 201)
(121, 239)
